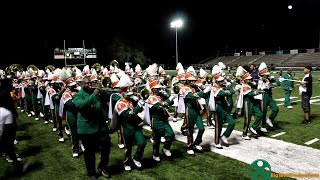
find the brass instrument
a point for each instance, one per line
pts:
(13, 69)
(106, 82)
(176, 88)
(114, 63)
(50, 67)
(144, 93)
(209, 78)
(33, 67)
(97, 67)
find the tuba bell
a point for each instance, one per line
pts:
(114, 63)
(106, 82)
(51, 68)
(13, 69)
(144, 93)
(33, 67)
(176, 88)
(97, 67)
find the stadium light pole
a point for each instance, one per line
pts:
(176, 24)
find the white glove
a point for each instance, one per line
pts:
(173, 96)
(141, 103)
(135, 98)
(207, 89)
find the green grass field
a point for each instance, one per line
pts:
(49, 159)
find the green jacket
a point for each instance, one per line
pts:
(157, 111)
(191, 100)
(130, 116)
(287, 84)
(92, 113)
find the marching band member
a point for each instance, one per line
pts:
(130, 123)
(31, 93)
(245, 101)
(193, 110)
(266, 84)
(218, 96)
(157, 102)
(68, 108)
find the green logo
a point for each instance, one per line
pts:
(260, 170)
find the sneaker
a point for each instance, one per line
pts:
(156, 158)
(289, 107)
(46, 122)
(137, 163)
(16, 142)
(253, 130)
(166, 152)
(121, 146)
(199, 148)
(10, 160)
(190, 152)
(41, 115)
(224, 139)
(61, 139)
(306, 122)
(36, 118)
(32, 113)
(51, 121)
(127, 168)
(75, 155)
(246, 137)
(163, 139)
(269, 122)
(22, 110)
(67, 131)
(151, 140)
(29, 115)
(54, 129)
(105, 174)
(218, 146)
(18, 107)
(264, 130)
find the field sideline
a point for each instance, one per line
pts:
(49, 159)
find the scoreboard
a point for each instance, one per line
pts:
(75, 53)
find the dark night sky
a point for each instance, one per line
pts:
(209, 26)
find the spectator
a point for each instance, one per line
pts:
(305, 90)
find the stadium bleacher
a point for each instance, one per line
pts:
(245, 60)
(273, 59)
(303, 59)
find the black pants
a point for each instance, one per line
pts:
(91, 142)
(7, 142)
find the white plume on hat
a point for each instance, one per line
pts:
(94, 72)
(50, 76)
(221, 65)
(101, 68)
(86, 70)
(120, 73)
(114, 78)
(263, 66)
(111, 68)
(57, 72)
(124, 81)
(116, 69)
(41, 73)
(18, 74)
(47, 71)
(203, 73)
(191, 70)
(152, 70)
(138, 68)
(181, 71)
(105, 71)
(161, 70)
(127, 68)
(63, 74)
(179, 66)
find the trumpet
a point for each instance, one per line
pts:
(176, 89)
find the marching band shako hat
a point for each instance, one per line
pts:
(114, 80)
(221, 65)
(162, 72)
(124, 83)
(152, 70)
(217, 73)
(241, 72)
(191, 70)
(154, 84)
(70, 82)
(138, 70)
(127, 69)
(181, 74)
(190, 77)
(86, 70)
(203, 73)
(263, 69)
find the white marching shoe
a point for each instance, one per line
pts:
(121, 146)
(127, 168)
(75, 155)
(67, 131)
(54, 129)
(263, 130)
(156, 158)
(41, 115)
(190, 152)
(198, 147)
(269, 122)
(224, 140)
(246, 137)
(218, 146)
(137, 163)
(166, 152)
(61, 139)
(163, 139)
(253, 131)
(289, 107)
(32, 113)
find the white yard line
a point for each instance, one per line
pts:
(312, 141)
(283, 157)
(278, 134)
